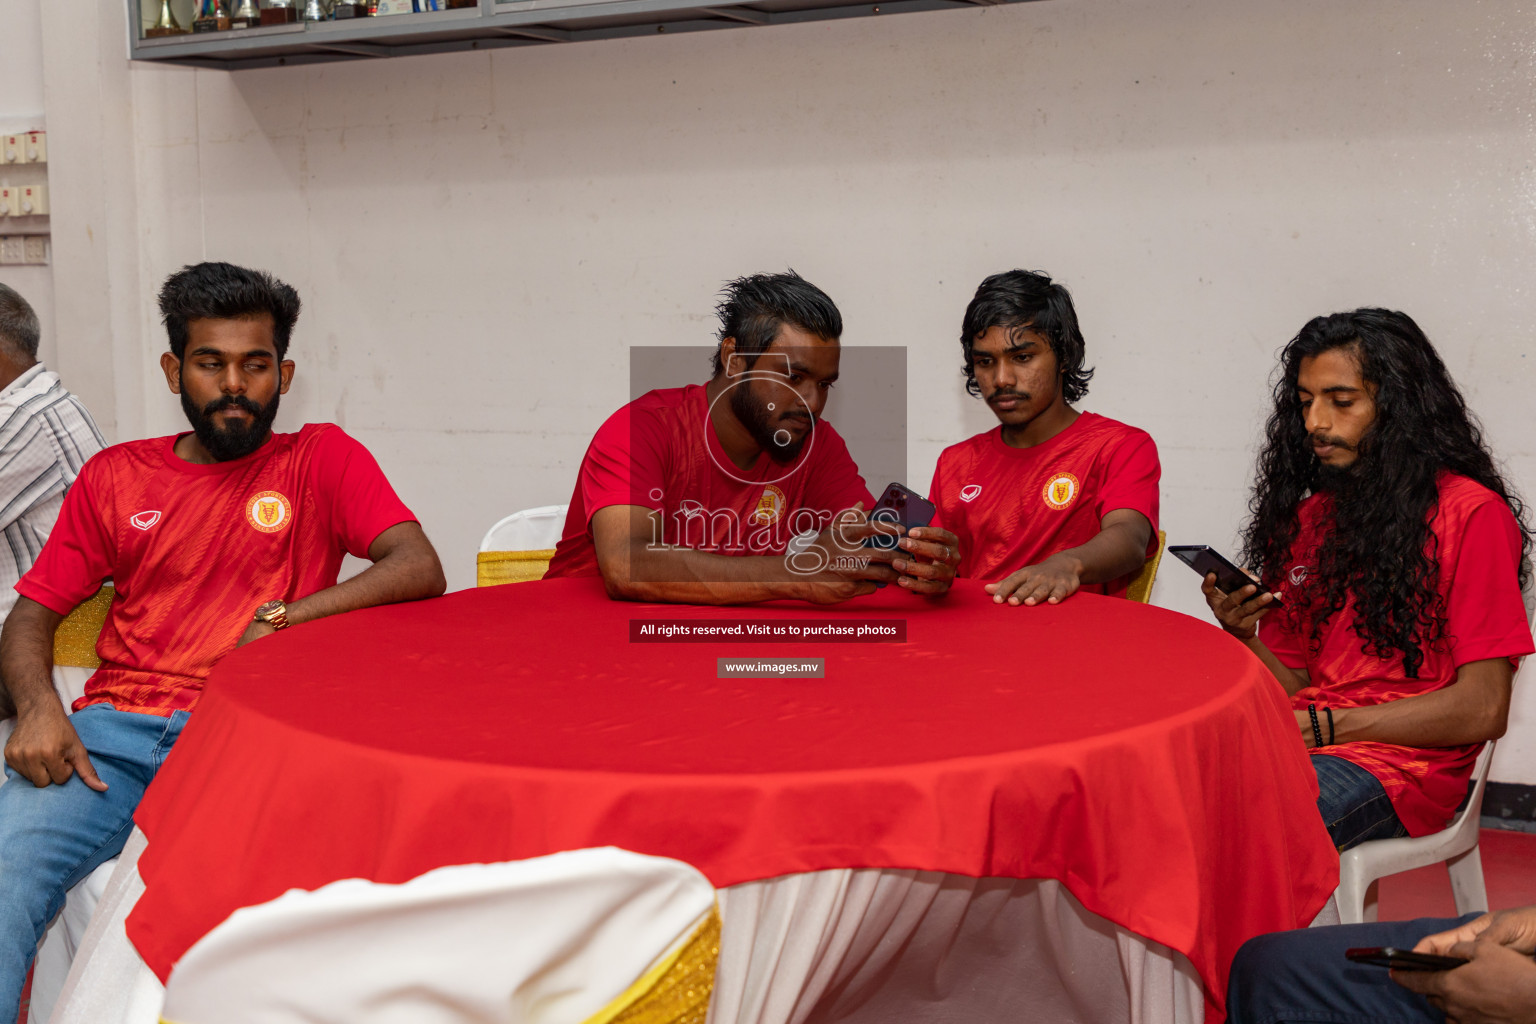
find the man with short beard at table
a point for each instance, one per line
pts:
(213, 539)
(736, 490)
(1400, 555)
(1053, 500)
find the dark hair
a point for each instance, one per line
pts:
(18, 322)
(755, 307)
(1381, 548)
(223, 291)
(1017, 299)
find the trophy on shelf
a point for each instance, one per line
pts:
(165, 25)
(315, 10)
(212, 16)
(246, 15)
(279, 12)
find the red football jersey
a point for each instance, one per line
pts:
(194, 550)
(1013, 507)
(1477, 547)
(660, 452)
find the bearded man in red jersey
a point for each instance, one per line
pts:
(1400, 556)
(1053, 500)
(212, 539)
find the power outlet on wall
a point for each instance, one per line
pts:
(36, 249)
(13, 250)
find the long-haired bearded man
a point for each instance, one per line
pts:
(1399, 555)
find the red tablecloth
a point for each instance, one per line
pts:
(1138, 755)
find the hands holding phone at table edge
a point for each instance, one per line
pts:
(1498, 983)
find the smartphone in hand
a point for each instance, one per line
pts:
(1229, 578)
(1402, 959)
(903, 507)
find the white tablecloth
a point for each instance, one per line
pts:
(847, 946)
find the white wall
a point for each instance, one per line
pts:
(480, 237)
(21, 109)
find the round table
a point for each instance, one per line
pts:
(1139, 756)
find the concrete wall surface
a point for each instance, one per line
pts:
(480, 238)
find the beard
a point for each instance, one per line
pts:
(753, 415)
(234, 441)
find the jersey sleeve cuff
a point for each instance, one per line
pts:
(47, 597)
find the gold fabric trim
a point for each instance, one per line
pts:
(676, 990)
(1141, 587)
(494, 568)
(75, 641)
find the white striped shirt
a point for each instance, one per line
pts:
(46, 435)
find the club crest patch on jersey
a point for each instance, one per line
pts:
(268, 511)
(1060, 491)
(769, 507)
(970, 492)
(144, 520)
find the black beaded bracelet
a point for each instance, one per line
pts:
(1317, 731)
(1330, 725)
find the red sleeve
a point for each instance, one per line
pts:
(1485, 612)
(349, 482)
(1131, 477)
(81, 550)
(835, 482)
(1282, 639)
(625, 464)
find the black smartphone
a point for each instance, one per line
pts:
(906, 508)
(1402, 959)
(1206, 560)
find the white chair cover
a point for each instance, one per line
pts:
(878, 945)
(532, 529)
(551, 940)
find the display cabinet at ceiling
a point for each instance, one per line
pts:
(356, 34)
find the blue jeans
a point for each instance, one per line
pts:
(1303, 976)
(51, 838)
(1354, 806)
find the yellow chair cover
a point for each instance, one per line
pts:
(1141, 587)
(75, 641)
(675, 991)
(494, 568)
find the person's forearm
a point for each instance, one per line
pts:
(402, 575)
(686, 576)
(1287, 677)
(1474, 709)
(26, 660)
(1115, 551)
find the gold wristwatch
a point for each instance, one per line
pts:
(274, 614)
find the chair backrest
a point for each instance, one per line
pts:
(519, 547)
(74, 642)
(1141, 587)
(599, 934)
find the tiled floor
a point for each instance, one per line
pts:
(1509, 868)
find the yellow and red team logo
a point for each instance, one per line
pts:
(769, 507)
(1060, 490)
(269, 511)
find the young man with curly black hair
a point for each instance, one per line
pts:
(213, 539)
(1399, 555)
(1053, 500)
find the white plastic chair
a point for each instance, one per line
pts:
(1456, 845)
(532, 529)
(583, 936)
